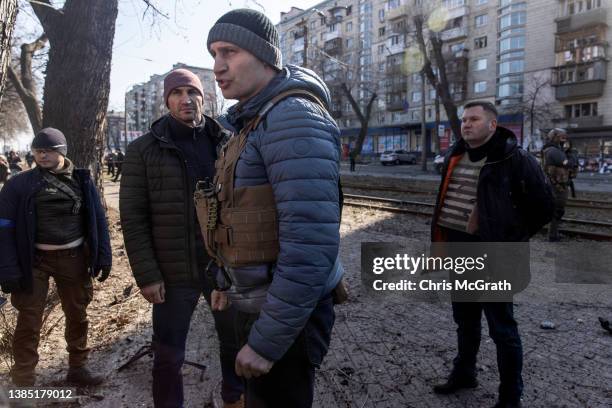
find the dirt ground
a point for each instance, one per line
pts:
(385, 352)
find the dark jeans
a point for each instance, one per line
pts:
(171, 321)
(504, 332)
(290, 382)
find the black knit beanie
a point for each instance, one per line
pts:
(250, 30)
(51, 138)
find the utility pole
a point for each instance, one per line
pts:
(125, 123)
(423, 130)
(305, 32)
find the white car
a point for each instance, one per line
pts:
(397, 157)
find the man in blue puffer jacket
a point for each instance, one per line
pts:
(52, 224)
(295, 148)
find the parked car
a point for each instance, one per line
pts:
(397, 157)
(439, 163)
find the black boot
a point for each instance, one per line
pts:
(82, 376)
(454, 384)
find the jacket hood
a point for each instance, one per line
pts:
(504, 144)
(551, 144)
(290, 77)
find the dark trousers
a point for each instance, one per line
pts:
(290, 382)
(352, 164)
(560, 197)
(74, 288)
(504, 332)
(171, 321)
(118, 167)
(110, 168)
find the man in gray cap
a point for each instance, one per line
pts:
(52, 224)
(278, 194)
(162, 236)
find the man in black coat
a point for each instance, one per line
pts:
(491, 191)
(163, 239)
(52, 224)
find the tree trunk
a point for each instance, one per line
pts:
(77, 83)
(364, 119)
(8, 13)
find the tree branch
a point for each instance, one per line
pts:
(29, 100)
(49, 16)
(154, 8)
(27, 52)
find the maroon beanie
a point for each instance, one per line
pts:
(181, 77)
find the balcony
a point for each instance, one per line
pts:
(586, 89)
(454, 33)
(584, 122)
(577, 21)
(332, 35)
(580, 80)
(333, 47)
(395, 48)
(393, 69)
(457, 12)
(396, 13)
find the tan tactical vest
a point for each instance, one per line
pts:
(240, 225)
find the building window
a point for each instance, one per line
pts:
(481, 64)
(395, 39)
(381, 15)
(428, 113)
(480, 86)
(381, 67)
(416, 96)
(349, 26)
(432, 94)
(449, 4)
(479, 2)
(581, 110)
(508, 90)
(480, 42)
(381, 32)
(511, 67)
(480, 20)
(512, 19)
(381, 48)
(393, 4)
(511, 43)
(313, 25)
(349, 43)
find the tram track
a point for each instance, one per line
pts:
(425, 209)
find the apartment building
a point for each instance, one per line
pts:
(144, 103)
(542, 62)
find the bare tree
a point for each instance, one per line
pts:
(424, 26)
(537, 105)
(8, 13)
(351, 82)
